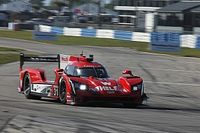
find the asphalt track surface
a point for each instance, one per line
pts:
(172, 83)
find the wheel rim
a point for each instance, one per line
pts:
(27, 88)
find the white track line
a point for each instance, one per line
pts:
(160, 69)
(172, 83)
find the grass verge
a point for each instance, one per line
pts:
(69, 40)
(7, 58)
(7, 49)
(8, 55)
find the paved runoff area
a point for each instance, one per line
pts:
(172, 83)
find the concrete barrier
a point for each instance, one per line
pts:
(141, 37)
(165, 41)
(44, 28)
(189, 41)
(88, 32)
(197, 42)
(102, 33)
(123, 35)
(72, 31)
(57, 30)
(49, 36)
(13, 26)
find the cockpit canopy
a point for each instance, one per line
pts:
(97, 72)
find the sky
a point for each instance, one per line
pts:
(48, 1)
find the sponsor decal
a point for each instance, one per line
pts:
(55, 91)
(106, 83)
(63, 61)
(106, 88)
(41, 88)
(64, 58)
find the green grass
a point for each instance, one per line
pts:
(185, 52)
(26, 35)
(188, 52)
(7, 49)
(7, 58)
(69, 40)
(8, 55)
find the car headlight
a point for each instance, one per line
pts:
(79, 86)
(83, 87)
(137, 87)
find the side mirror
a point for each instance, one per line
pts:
(129, 72)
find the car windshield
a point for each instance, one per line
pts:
(98, 72)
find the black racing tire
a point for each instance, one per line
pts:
(62, 92)
(27, 88)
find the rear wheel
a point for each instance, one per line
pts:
(62, 92)
(27, 88)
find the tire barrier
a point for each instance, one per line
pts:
(189, 41)
(165, 41)
(123, 35)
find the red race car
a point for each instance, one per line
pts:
(78, 80)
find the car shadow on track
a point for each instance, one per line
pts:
(145, 107)
(45, 101)
(121, 106)
(157, 107)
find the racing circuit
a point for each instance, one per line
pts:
(171, 82)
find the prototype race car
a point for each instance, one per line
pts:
(78, 80)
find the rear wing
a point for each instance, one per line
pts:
(59, 58)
